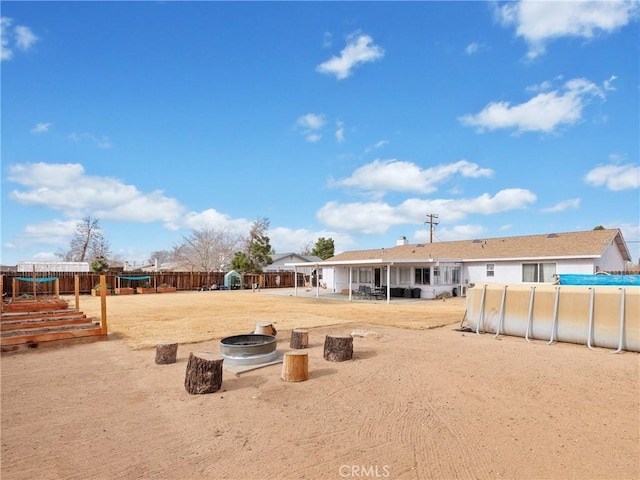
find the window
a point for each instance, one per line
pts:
(437, 275)
(422, 276)
(490, 269)
(538, 272)
(364, 275)
(455, 275)
(394, 275)
(405, 275)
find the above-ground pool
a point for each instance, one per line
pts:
(594, 315)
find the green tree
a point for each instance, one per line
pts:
(324, 248)
(241, 263)
(100, 264)
(257, 250)
(599, 227)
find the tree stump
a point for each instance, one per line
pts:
(338, 348)
(299, 339)
(204, 373)
(166, 353)
(265, 328)
(295, 366)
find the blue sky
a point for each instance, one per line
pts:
(331, 119)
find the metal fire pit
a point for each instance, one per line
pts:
(249, 349)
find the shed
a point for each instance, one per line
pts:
(233, 280)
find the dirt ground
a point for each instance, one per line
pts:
(416, 402)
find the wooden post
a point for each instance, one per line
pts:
(103, 304)
(14, 287)
(204, 373)
(295, 367)
(265, 328)
(166, 353)
(76, 291)
(57, 287)
(299, 338)
(33, 280)
(2, 290)
(338, 348)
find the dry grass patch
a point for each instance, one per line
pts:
(191, 317)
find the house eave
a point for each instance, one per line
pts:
(527, 259)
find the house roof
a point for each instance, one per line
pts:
(588, 244)
(306, 258)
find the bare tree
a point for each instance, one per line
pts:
(306, 249)
(161, 256)
(87, 243)
(207, 249)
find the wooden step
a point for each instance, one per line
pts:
(30, 305)
(50, 342)
(77, 319)
(18, 316)
(43, 335)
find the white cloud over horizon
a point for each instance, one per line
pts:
(614, 177)
(401, 176)
(68, 189)
(377, 217)
(360, 49)
(458, 232)
(540, 22)
(571, 204)
(545, 112)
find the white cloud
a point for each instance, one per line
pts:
(540, 87)
(285, 240)
(458, 232)
(66, 188)
(360, 49)
(474, 47)
(214, 219)
(19, 37)
(5, 51)
(608, 84)
(50, 233)
(571, 204)
(24, 37)
(400, 176)
(377, 217)
(310, 126)
(376, 146)
(543, 113)
(56, 232)
(539, 22)
(99, 141)
(340, 131)
(615, 177)
(41, 128)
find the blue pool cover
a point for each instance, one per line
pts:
(614, 280)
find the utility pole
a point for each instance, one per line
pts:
(432, 224)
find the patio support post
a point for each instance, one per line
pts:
(388, 283)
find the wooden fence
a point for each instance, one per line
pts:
(183, 281)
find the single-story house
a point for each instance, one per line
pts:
(430, 269)
(280, 261)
